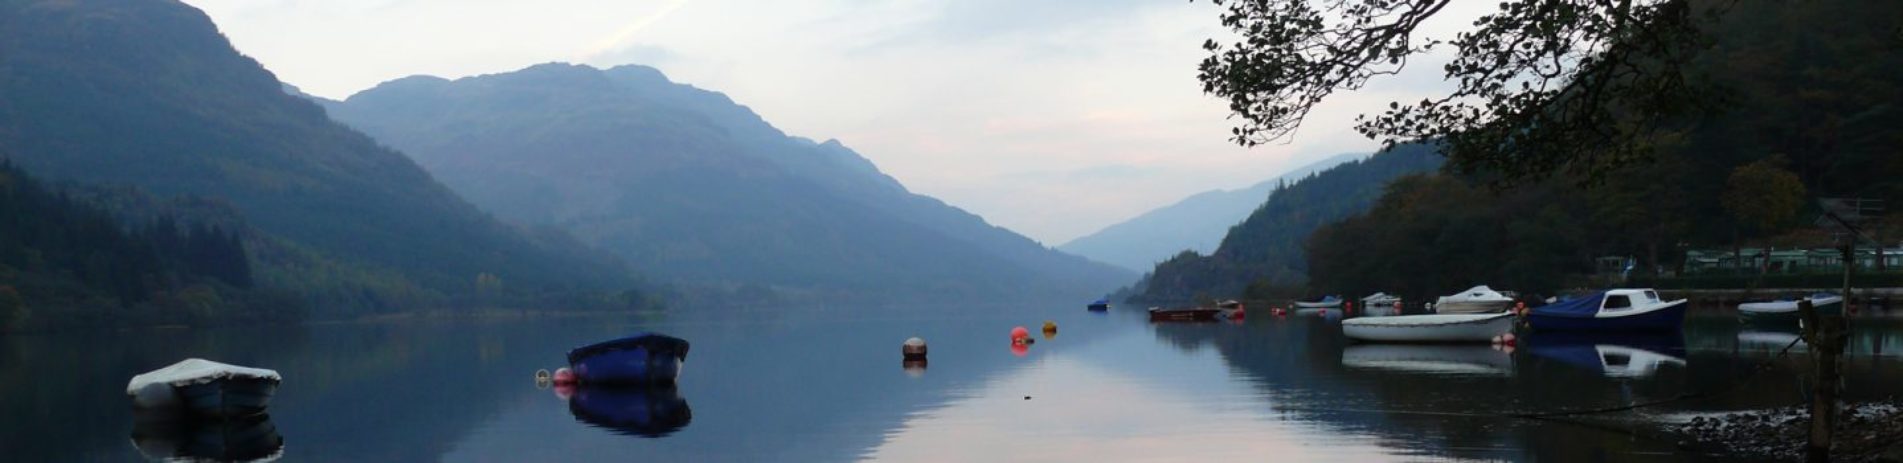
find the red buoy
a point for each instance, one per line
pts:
(564, 376)
(1020, 333)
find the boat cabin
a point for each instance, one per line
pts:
(1626, 299)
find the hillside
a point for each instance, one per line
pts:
(681, 179)
(1196, 223)
(149, 94)
(1267, 246)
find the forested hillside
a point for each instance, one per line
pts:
(149, 94)
(1815, 110)
(1267, 246)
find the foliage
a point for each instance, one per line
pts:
(1764, 195)
(1268, 244)
(1542, 85)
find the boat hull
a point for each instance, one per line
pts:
(1318, 304)
(635, 366)
(1440, 328)
(1097, 307)
(1183, 315)
(1470, 307)
(1667, 318)
(228, 397)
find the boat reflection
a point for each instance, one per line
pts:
(1770, 340)
(1615, 356)
(1465, 360)
(169, 437)
(650, 411)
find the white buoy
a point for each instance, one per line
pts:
(914, 349)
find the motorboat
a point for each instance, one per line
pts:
(1463, 360)
(1430, 328)
(1478, 299)
(205, 388)
(1617, 311)
(1184, 314)
(1099, 306)
(644, 358)
(1785, 310)
(1379, 299)
(1326, 302)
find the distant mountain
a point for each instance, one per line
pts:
(148, 93)
(687, 182)
(1196, 223)
(1269, 246)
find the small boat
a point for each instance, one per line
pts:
(163, 437)
(1461, 360)
(653, 411)
(205, 388)
(1326, 302)
(1478, 299)
(644, 358)
(1429, 328)
(1099, 306)
(1617, 310)
(1184, 314)
(1229, 310)
(1380, 299)
(1785, 310)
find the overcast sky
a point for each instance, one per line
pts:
(1053, 118)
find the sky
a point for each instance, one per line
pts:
(1054, 118)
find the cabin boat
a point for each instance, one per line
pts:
(1785, 310)
(1099, 306)
(1184, 314)
(1478, 299)
(205, 388)
(1434, 328)
(1379, 299)
(1326, 302)
(1617, 310)
(1465, 360)
(641, 359)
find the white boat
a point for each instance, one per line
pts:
(1326, 302)
(1379, 300)
(1438, 360)
(1478, 299)
(1429, 328)
(1786, 310)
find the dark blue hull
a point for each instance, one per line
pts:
(1669, 319)
(629, 366)
(228, 397)
(1098, 307)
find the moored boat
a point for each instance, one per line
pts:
(644, 358)
(1099, 306)
(1379, 299)
(1617, 310)
(1183, 314)
(1785, 310)
(1326, 302)
(205, 388)
(1478, 299)
(1429, 328)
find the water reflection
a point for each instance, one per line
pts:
(654, 411)
(168, 437)
(1430, 359)
(1614, 356)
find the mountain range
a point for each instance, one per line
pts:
(1197, 223)
(700, 189)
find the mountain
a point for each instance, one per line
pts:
(1196, 223)
(1267, 247)
(148, 93)
(686, 181)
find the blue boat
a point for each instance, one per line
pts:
(1099, 306)
(644, 358)
(1611, 311)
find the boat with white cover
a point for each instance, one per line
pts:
(1478, 299)
(1326, 302)
(1785, 310)
(1429, 328)
(1379, 299)
(205, 388)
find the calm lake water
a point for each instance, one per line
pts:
(800, 385)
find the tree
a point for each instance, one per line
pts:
(1764, 195)
(1543, 86)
